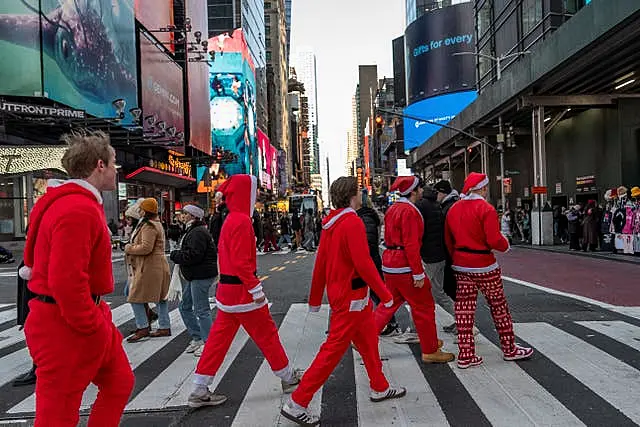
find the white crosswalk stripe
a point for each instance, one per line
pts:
(504, 392)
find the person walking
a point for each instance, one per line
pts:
(591, 227)
(198, 262)
(149, 280)
(285, 232)
(472, 232)
(573, 221)
(345, 268)
(433, 250)
(67, 257)
(309, 227)
(371, 221)
(240, 298)
(403, 270)
(296, 226)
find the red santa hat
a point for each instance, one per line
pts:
(405, 184)
(475, 181)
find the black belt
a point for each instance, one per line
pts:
(395, 248)
(228, 279)
(475, 251)
(51, 300)
(358, 283)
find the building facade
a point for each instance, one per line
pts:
(287, 5)
(277, 78)
(305, 64)
(414, 9)
(299, 119)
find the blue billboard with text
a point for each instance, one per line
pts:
(439, 110)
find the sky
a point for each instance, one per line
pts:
(343, 34)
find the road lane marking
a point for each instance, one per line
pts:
(608, 377)
(419, 408)
(620, 331)
(505, 393)
(627, 311)
(302, 331)
(273, 268)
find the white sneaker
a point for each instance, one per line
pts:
(299, 415)
(393, 392)
(407, 338)
(288, 388)
(197, 400)
(199, 351)
(194, 345)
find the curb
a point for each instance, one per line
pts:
(581, 254)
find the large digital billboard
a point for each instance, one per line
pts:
(88, 52)
(89, 58)
(156, 14)
(233, 100)
(199, 109)
(267, 161)
(162, 83)
(20, 73)
(438, 109)
(430, 42)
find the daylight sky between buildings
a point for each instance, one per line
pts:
(344, 34)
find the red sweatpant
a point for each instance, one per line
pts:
(259, 326)
(344, 327)
(423, 309)
(466, 301)
(67, 362)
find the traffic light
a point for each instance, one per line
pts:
(379, 124)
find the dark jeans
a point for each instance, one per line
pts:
(574, 241)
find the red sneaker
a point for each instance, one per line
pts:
(519, 353)
(474, 361)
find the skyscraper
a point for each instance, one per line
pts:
(414, 9)
(305, 64)
(352, 140)
(287, 4)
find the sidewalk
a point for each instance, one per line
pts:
(564, 249)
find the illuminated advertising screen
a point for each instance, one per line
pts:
(439, 109)
(233, 103)
(156, 14)
(88, 52)
(21, 75)
(199, 109)
(264, 160)
(162, 84)
(430, 42)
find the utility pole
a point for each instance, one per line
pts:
(328, 184)
(503, 197)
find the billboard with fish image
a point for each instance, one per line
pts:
(20, 41)
(88, 53)
(233, 100)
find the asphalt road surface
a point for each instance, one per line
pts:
(585, 370)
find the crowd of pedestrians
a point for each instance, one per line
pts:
(437, 244)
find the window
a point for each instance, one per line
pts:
(267, 5)
(268, 56)
(531, 14)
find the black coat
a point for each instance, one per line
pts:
(216, 222)
(198, 255)
(433, 249)
(24, 296)
(372, 226)
(448, 201)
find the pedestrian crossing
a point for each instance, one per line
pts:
(574, 379)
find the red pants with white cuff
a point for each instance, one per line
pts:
(490, 284)
(67, 362)
(344, 328)
(423, 309)
(259, 325)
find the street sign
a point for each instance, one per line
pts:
(539, 190)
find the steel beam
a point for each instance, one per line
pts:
(565, 100)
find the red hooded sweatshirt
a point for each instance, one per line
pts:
(68, 253)
(237, 249)
(344, 266)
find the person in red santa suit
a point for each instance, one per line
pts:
(403, 271)
(472, 232)
(240, 298)
(67, 258)
(343, 265)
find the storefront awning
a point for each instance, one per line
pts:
(156, 176)
(16, 160)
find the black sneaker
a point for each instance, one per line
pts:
(390, 330)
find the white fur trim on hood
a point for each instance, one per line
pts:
(53, 183)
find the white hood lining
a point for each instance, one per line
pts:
(335, 218)
(53, 183)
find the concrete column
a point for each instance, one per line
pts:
(484, 156)
(466, 163)
(542, 216)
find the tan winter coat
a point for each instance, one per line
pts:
(148, 267)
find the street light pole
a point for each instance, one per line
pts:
(502, 172)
